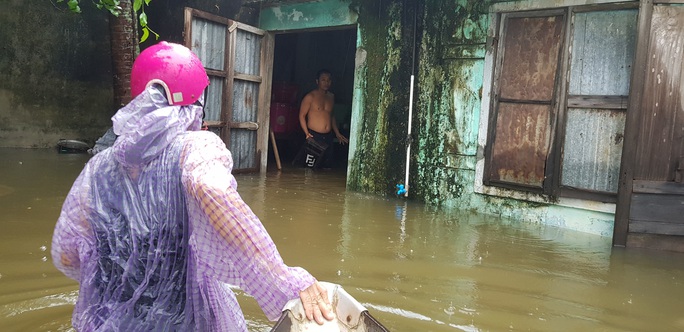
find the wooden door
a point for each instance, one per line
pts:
(651, 206)
(239, 61)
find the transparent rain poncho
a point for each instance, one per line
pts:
(155, 231)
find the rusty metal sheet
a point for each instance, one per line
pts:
(209, 43)
(592, 149)
(530, 61)
(602, 52)
(247, 55)
(521, 148)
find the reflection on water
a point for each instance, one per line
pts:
(413, 267)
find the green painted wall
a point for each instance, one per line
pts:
(307, 15)
(380, 117)
(451, 72)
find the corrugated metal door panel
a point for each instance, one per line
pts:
(238, 60)
(245, 60)
(214, 98)
(593, 147)
(209, 43)
(602, 52)
(243, 140)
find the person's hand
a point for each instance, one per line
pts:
(308, 135)
(316, 303)
(342, 139)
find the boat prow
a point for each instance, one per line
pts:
(350, 315)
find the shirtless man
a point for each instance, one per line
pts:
(316, 115)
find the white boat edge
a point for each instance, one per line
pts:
(350, 315)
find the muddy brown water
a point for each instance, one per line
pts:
(414, 267)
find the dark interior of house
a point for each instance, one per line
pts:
(298, 56)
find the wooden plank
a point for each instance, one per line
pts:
(215, 123)
(244, 125)
(246, 77)
(250, 28)
(658, 242)
(219, 73)
(603, 102)
(208, 16)
(652, 227)
(229, 86)
(276, 154)
(636, 92)
(658, 187)
(679, 172)
(606, 7)
(187, 27)
(553, 171)
(264, 110)
(656, 207)
(660, 131)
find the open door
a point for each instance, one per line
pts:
(239, 61)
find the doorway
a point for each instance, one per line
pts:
(298, 56)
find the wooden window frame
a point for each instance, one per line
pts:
(552, 188)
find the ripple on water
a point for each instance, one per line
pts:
(5, 190)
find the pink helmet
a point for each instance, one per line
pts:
(172, 66)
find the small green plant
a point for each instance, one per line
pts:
(113, 6)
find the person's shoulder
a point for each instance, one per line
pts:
(202, 138)
(203, 145)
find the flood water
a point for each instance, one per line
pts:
(413, 267)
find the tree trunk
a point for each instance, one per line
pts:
(123, 31)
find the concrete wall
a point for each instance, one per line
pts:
(55, 66)
(55, 74)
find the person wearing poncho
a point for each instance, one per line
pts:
(153, 228)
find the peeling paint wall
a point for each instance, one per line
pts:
(316, 14)
(451, 71)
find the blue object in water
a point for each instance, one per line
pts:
(400, 189)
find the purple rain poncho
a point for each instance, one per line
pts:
(155, 231)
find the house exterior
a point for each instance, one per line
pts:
(561, 112)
